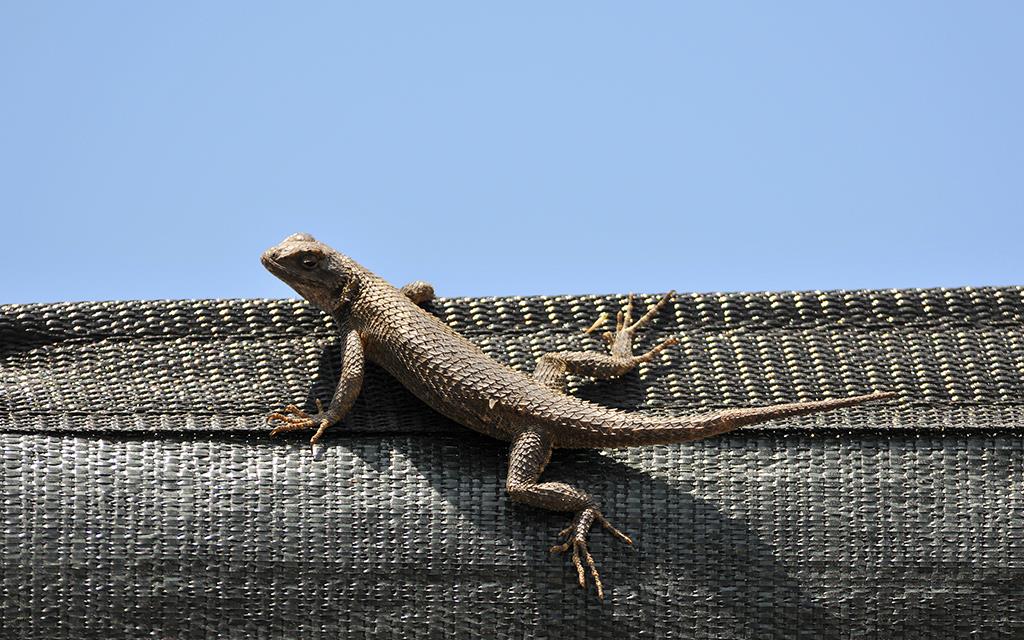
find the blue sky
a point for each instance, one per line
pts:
(153, 150)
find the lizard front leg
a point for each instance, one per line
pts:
(419, 292)
(531, 451)
(291, 418)
(553, 368)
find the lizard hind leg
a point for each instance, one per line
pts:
(531, 451)
(553, 368)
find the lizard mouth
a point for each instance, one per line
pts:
(271, 264)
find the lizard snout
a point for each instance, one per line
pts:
(270, 257)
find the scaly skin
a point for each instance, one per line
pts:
(446, 371)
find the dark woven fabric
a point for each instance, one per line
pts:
(142, 498)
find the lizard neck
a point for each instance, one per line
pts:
(348, 301)
(341, 308)
(359, 305)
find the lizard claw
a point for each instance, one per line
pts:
(579, 546)
(658, 348)
(292, 418)
(577, 534)
(626, 323)
(621, 340)
(600, 322)
(615, 532)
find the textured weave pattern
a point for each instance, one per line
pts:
(141, 497)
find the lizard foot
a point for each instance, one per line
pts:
(292, 418)
(621, 340)
(576, 539)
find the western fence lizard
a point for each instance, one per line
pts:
(448, 372)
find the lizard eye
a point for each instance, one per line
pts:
(309, 262)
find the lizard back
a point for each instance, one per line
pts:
(456, 378)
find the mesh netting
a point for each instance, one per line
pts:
(142, 497)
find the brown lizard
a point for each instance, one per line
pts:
(448, 372)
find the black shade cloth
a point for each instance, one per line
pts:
(142, 497)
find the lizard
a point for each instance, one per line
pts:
(534, 413)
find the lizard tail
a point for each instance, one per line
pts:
(670, 430)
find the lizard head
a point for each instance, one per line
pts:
(317, 272)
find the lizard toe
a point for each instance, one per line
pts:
(582, 559)
(291, 418)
